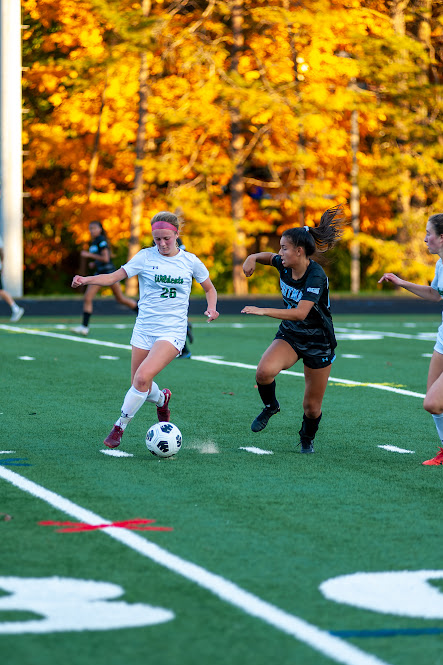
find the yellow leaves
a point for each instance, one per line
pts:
(56, 99)
(252, 75)
(262, 118)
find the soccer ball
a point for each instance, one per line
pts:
(163, 439)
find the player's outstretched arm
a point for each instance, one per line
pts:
(211, 298)
(422, 290)
(264, 258)
(99, 280)
(298, 313)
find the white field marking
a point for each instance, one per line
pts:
(25, 358)
(362, 334)
(110, 357)
(67, 604)
(424, 336)
(6, 452)
(71, 338)
(209, 359)
(256, 451)
(426, 355)
(405, 593)
(348, 382)
(394, 449)
(350, 355)
(358, 336)
(116, 453)
(320, 640)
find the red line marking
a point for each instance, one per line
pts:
(137, 524)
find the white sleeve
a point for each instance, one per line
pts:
(199, 271)
(136, 264)
(438, 267)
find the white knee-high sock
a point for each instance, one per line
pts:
(134, 399)
(438, 420)
(155, 395)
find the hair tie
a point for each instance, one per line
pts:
(306, 228)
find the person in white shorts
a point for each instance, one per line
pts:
(165, 275)
(433, 401)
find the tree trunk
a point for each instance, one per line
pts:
(239, 252)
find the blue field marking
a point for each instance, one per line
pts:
(386, 632)
(14, 461)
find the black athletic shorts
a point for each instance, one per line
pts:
(314, 355)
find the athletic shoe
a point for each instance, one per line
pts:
(435, 461)
(263, 418)
(163, 412)
(17, 314)
(306, 445)
(81, 330)
(114, 438)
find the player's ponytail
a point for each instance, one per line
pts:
(322, 237)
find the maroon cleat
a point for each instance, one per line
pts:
(163, 412)
(114, 438)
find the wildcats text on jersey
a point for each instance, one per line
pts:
(167, 279)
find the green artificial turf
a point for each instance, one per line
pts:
(276, 525)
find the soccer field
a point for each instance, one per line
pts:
(238, 550)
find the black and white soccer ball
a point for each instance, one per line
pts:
(163, 439)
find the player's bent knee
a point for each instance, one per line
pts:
(432, 405)
(264, 377)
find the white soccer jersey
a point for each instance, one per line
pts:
(165, 284)
(437, 284)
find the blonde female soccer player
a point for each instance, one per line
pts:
(433, 401)
(306, 330)
(165, 275)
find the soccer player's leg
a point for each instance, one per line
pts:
(279, 355)
(316, 381)
(433, 402)
(160, 355)
(133, 401)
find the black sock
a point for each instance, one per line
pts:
(267, 394)
(310, 426)
(86, 317)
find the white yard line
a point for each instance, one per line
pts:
(320, 640)
(349, 382)
(209, 359)
(256, 451)
(394, 449)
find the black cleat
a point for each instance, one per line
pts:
(263, 418)
(306, 445)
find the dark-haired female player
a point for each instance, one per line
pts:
(306, 330)
(99, 255)
(433, 401)
(165, 275)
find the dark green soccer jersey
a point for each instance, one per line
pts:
(313, 286)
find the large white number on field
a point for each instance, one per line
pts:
(405, 593)
(71, 604)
